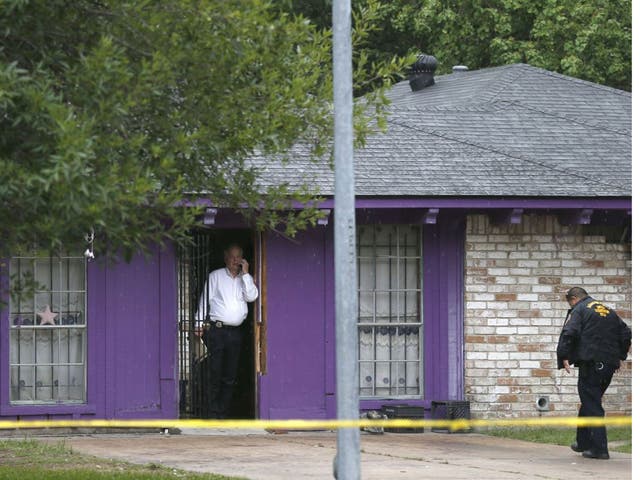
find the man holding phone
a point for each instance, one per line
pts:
(221, 311)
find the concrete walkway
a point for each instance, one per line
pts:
(258, 455)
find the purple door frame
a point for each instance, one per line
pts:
(300, 379)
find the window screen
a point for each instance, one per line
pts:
(47, 316)
(389, 311)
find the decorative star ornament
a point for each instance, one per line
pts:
(47, 316)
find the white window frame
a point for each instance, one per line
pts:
(29, 324)
(374, 322)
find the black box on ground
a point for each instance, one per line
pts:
(403, 411)
(450, 410)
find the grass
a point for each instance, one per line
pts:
(30, 459)
(619, 437)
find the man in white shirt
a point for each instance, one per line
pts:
(221, 311)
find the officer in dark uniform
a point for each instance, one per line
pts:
(594, 339)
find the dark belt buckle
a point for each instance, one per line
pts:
(599, 366)
(218, 324)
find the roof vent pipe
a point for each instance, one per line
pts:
(422, 72)
(460, 68)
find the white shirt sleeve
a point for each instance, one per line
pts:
(249, 289)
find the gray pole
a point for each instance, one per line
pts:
(348, 459)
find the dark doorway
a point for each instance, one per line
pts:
(195, 263)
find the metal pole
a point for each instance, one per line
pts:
(348, 458)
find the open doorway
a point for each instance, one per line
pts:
(195, 263)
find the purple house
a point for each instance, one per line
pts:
(488, 195)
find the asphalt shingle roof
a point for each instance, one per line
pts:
(514, 130)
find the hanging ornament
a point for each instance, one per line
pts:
(88, 253)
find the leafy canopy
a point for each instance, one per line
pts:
(587, 39)
(113, 112)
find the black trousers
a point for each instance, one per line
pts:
(224, 346)
(593, 380)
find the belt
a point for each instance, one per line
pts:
(220, 324)
(597, 365)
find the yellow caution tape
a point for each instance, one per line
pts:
(333, 424)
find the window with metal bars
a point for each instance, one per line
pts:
(47, 314)
(390, 329)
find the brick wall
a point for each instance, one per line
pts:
(515, 280)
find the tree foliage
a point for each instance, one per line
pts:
(111, 111)
(588, 39)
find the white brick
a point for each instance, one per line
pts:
(505, 347)
(498, 238)
(475, 288)
(475, 238)
(483, 364)
(610, 271)
(527, 280)
(540, 322)
(476, 356)
(571, 280)
(483, 297)
(520, 271)
(543, 238)
(507, 364)
(520, 356)
(527, 263)
(498, 322)
(532, 297)
(503, 272)
(541, 288)
(478, 305)
(497, 305)
(484, 246)
(542, 305)
(544, 255)
(527, 330)
(571, 263)
(498, 356)
(483, 330)
(529, 364)
(585, 272)
(541, 259)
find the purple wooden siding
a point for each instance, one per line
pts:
(300, 379)
(443, 251)
(132, 332)
(131, 345)
(298, 340)
(140, 340)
